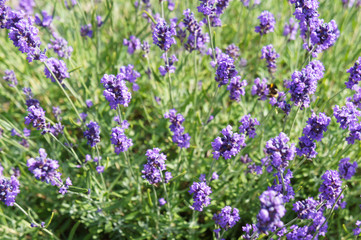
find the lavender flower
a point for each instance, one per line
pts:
(89, 103)
(229, 145)
(10, 78)
(316, 126)
(233, 51)
(287, 192)
(346, 169)
(355, 74)
(267, 23)
(64, 189)
(304, 83)
(36, 116)
(278, 152)
(290, 29)
(260, 88)
(45, 169)
(280, 102)
(92, 134)
(169, 64)
(207, 7)
(60, 46)
(9, 189)
(272, 210)
(73, 3)
(162, 201)
(56, 113)
(26, 132)
(57, 129)
(45, 21)
(163, 35)
(99, 21)
(324, 36)
(306, 147)
(145, 48)
(248, 125)
(27, 6)
(133, 44)
(225, 70)
(246, 2)
(99, 169)
(236, 88)
(357, 230)
(214, 176)
(307, 14)
(331, 188)
(227, 218)
(270, 55)
(179, 137)
(116, 91)
(347, 115)
(130, 75)
(121, 142)
(57, 68)
(248, 228)
(155, 164)
(201, 192)
(86, 31)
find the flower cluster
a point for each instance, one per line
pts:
(116, 91)
(196, 39)
(225, 70)
(9, 189)
(246, 2)
(86, 31)
(45, 169)
(133, 44)
(130, 75)
(267, 23)
(233, 51)
(56, 70)
(316, 126)
(323, 36)
(236, 88)
(331, 188)
(154, 167)
(272, 210)
(278, 152)
(270, 55)
(36, 115)
(60, 46)
(27, 6)
(10, 78)
(229, 145)
(347, 169)
(280, 102)
(306, 12)
(44, 20)
(357, 230)
(180, 138)
(227, 218)
(207, 7)
(169, 64)
(282, 185)
(248, 125)
(290, 29)
(355, 74)
(92, 133)
(163, 35)
(260, 88)
(119, 139)
(201, 192)
(304, 83)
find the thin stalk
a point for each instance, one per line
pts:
(329, 215)
(156, 205)
(72, 152)
(338, 93)
(210, 170)
(61, 87)
(166, 196)
(99, 163)
(293, 122)
(169, 81)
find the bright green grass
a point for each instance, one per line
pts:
(129, 209)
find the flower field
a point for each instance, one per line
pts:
(170, 119)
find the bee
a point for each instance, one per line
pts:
(273, 90)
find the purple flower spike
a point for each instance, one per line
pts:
(346, 169)
(155, 164)
(207, 7)
(10, 78)
(290, 29)
(236, 88)
(324, 36)
(60, 46)
(121, 142)
(355, 74)
(179, 137)
(229, 145)
(272, 210)
(169, 65)
(225, 70)
(286, 193)
(86, 31)
(331, 188)
(347, 115)
(162, 201)
(92, 134)
(201, 192)
(9, 189)
(133, 44)
(267, 23)
(57, 68)
(270, 55)
(260, 88)
(45, 169)
(316, 126)
(45, 21)
(233, 51)
(278, 152)
(248, 125)
(130, 75)
(227, 218)
(116, 91)
(163, 35)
